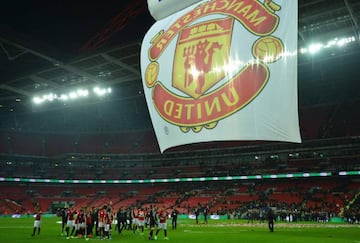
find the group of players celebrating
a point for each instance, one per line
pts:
(98, 222)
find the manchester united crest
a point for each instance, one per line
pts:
(200, 92)
(201, 49)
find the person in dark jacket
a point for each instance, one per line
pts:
(174, 215)
(271, 219)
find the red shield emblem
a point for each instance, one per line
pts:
(201, 52)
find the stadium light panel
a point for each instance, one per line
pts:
(314, 48)
(82, 92)
(303, 50)
(37, 100)
(101, 91)
(336, 42)
(50, 97)
(64, 97)
(71, 95)
(98, 91)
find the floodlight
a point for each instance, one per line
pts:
(64, 97)
(96, 90)
(99, 91)
(336, 42)
(73, 95)
(37, 100)
(314, 48)
(51, 97)
(331, 43)
(82, 92)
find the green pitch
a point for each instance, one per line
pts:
(224, 231)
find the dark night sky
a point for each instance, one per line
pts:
(65, 25)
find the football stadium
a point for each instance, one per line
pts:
(198, 120)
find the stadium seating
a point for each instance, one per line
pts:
(325, 196)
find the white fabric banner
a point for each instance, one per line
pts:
(223, 70)
(160, 9)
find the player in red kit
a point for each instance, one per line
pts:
(102, 220)
(70, 222)
(141, 219)
(37, 223)
(80, 223)
(135, 219)
(107, 223)
(163, 215)
(89, 223)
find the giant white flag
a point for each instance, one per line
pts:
(223, 70)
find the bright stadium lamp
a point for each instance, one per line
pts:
(314, 48)
(71, 95)
(333, 43)
(64, 97)
(37, 100)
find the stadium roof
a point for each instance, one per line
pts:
(56, 45)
